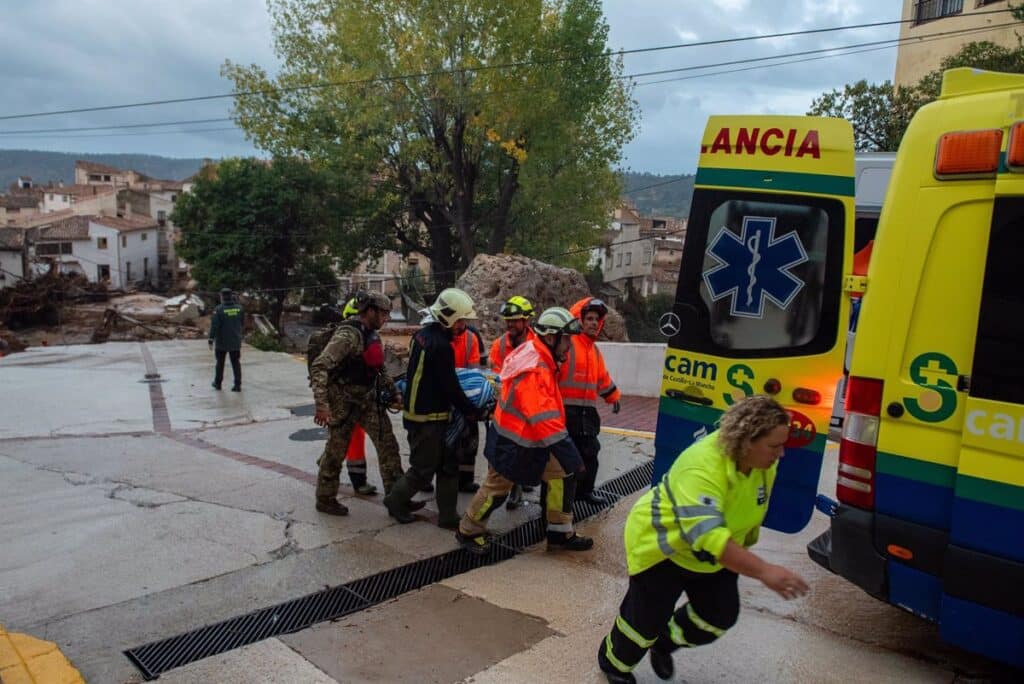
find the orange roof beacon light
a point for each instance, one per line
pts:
(1015, 149)
(968, 154)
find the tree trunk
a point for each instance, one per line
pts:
(501, 231)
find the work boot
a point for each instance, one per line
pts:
(215, 386)
(447, 497)
(331, 507)
(610, 673)
(478, 545)
(661, 663)
(515, 498)
(595, 498)
(446, 523)
(575, 542)
(236, 388)
(365, 489)
(399, 501)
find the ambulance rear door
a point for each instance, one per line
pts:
(763, 299)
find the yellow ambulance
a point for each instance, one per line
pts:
(930, 511)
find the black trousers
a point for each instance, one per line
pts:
(429, 457)
(236, 366)
(648, 617)
(466, 447)
(584, 425)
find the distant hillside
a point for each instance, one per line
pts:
(60, 166)
(667, 197)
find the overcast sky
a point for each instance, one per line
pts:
(64, 54)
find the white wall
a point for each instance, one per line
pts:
(635, 368)
(134, 250)
(90, 256)
(55, 201)
(10, 262)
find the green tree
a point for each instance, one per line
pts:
(880, 112)
(250, 224)
(476, 126)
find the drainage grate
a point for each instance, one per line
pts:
(329, 604)
(160, 656)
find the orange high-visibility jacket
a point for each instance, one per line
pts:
(530, 412)
(583, 377)
(467, 349)
(502, 347)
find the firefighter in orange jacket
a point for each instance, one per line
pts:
(527, 441)
(583, 381)
(517, 312)
(468, 347)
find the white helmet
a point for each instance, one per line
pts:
(452, 305)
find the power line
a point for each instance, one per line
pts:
(837, 50)
(849, 51)
(118, 126)
(440, 72)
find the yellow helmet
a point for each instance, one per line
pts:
(452, 305)
(351, 308)
(516, 307)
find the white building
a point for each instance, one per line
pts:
(84, 199)
(12, 256)
(120, 250)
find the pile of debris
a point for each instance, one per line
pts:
(491, 279)
(119, 325)
(39, 302)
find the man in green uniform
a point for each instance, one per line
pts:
(226, 338)
(350, 387)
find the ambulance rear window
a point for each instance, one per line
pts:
(998, 371)
(762, 273)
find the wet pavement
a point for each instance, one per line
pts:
(134, 509)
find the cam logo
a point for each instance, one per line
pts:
(682, 365)
(771, 142)
(754, 267)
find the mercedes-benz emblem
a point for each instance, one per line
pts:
(669, 324)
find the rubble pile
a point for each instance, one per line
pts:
(491, 279)
(38, 302)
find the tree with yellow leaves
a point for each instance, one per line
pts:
(472, 125)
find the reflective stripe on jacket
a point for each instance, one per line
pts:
(530, 411)
(700, 504)
(583, 377)
(502, 347)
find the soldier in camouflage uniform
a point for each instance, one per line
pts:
(347, 380)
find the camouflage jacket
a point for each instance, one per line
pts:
(347, 343)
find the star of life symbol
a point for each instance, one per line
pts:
(754, 267)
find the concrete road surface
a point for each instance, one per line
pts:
(133, 509)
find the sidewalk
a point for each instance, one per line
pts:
(133, 511)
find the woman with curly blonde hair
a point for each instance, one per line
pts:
(692, 533)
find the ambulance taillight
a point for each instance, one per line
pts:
(855, 485)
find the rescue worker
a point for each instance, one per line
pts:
(468, 347)
(527, 442)
(433, 390)
(583, 380)
(355, 455)
(226, 339)
(517, 312)
(691, 533)
(349, 384)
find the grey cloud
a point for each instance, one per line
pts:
(68, 53)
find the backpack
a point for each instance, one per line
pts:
(315, 346)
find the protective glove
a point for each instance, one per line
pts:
(616, 407)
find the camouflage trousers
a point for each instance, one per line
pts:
(374, 419)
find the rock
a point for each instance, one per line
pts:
(491, 279)
(188, 312)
